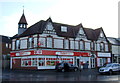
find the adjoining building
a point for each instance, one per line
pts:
(46, 43)
(115, 48)
(6, 48)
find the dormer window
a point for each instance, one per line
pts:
(63, 29)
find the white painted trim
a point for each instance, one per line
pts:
(46, 67)
(11, 63)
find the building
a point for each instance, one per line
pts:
(46, 43)
(6, 48)
(115, 46)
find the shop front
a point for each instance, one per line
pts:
(46, 59)
(103, 58)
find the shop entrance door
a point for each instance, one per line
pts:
(78, 62)
(92, 60)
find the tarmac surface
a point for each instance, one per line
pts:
(52, 75)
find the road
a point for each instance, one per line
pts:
(52, 75)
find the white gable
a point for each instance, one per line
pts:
(102, 37)
(49, 26)
(81, 32)
(101, 34)
(49, 29)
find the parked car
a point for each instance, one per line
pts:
(66, 67)
(110, 68)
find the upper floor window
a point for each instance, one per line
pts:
(66, 44)
(6, 45)
(106, 47)
(9, 46)
(81, 45)
(87, 45)
(58, 43)
(102, 46)
(17, 44)
(42, 42)
(92, 46)
(49, 42)
(98, 46)
(76, 45)
(63, 29)
(13, 45)
(35, 42)
(30, 42)
(72, 44)
(23, 44)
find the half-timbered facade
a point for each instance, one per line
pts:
(46, 43)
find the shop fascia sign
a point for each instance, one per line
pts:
(23, 53)
(38, 52)
(64, 53)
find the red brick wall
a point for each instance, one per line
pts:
(16, 64)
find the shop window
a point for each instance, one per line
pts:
(26, 62)
(41, 61)
(34, 61)
(50, 62)
(68, 60)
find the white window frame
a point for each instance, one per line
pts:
(49, 42)
(81, 45)
(30, 40)
(66, 44)
(17, 44)
(63, 29)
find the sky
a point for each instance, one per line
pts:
(91, 13)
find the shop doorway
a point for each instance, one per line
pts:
(92, 61)
(103, 61)
(78, 62)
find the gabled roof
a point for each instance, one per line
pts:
(22, 20)
(93, 34)
(72, 31)
(113, 41)
(40, 26)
